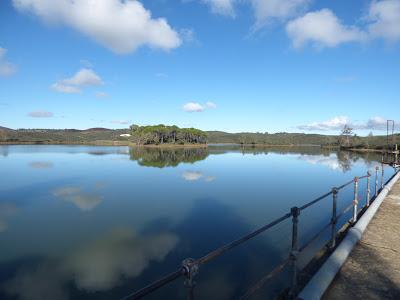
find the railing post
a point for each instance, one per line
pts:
(368, 188)
(355, 201)
(383, 177)
(376, 181)
(295, 250)
(191, 269)
(335, 192)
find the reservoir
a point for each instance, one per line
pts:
(96, 222)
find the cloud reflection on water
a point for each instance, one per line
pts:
(100, 265)
(7, 210)
(84, 201)
(330, 161)
(196, 175)
(97, 265)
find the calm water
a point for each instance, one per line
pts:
(83, 222)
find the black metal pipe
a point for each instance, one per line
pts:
(315, 201)
(155, 285)
(229, 246)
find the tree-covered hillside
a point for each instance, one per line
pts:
(162, 134)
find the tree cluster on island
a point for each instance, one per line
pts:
(162, 134)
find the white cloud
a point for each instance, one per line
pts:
(82, 78)
(210, 105)
(86, 63)
(41, 114)
(121, 122)
(222, 7)
(101, 95)
(323, 29)
(121, 26)
(337, 123)
(193, 107)
(6, 68)
(59, 87)
(332, 124)
(197, 107)
(385, 18)
(187, 35)
(265, 10)
(376, 123)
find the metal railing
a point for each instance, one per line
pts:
(190, 267)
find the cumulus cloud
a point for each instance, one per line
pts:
(6, 68)
(121, 26)
(197, 107)
(377, 123)
(84, 201)
(82, 78)
(337, 123)
(41, 114)
(193, 107)
(331, 124)
(266, 10)
(221, 7)
(322, 29)
(385, 19)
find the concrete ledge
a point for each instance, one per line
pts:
(325, 275)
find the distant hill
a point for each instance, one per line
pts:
(282, 138)
(100, 135)
(63, 136)
(5, 128)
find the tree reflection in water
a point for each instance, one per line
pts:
(167, 157)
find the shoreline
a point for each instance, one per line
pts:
(105, 143)
(131, 144)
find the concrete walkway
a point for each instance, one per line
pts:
(372, 270)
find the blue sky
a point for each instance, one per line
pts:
(248, 65)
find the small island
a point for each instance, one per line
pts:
(167, 135)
